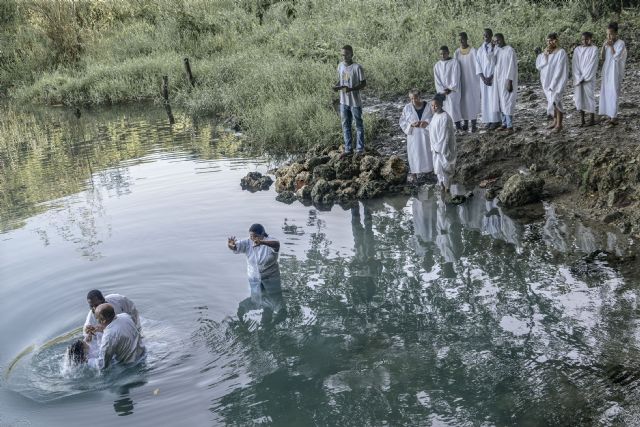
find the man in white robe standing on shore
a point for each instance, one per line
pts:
(414, 121)
(485, 68)
(446, 75)
(614, 55)
(442, 136)
(506, 78)
(584, 67)
(553, 65)
(469, 82)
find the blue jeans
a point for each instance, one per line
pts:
(348, 113)
(507, 121)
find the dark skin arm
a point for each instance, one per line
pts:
(260, 240)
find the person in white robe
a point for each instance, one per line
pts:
(506, 79)
(614, 55)
(120, 303)
(442, 136)
(446, 75)
(485, 68)
(413, 122)
(262, 252)
(469, 83)
(584, 67)
(121, 340)
(553, 65)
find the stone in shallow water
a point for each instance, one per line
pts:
(520, 190)
(255, 181)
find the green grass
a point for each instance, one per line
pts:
(273, 79)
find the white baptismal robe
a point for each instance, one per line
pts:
(418, 146)
(486, 64)
(554, 69)
(446, 75)
(612, 74)
(584, 67)
(120, 304)
(443, 146)
(469, 84)
(121, 342)
(506, 69)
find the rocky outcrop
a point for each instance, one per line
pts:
(521, 190)
(255, 181)
(325, 177)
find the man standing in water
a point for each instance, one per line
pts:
(553, 65)
(584, 67)
(351, 81)
(121, 340)
(614, 55)
(120, 304)
(506, 78)
(469, 83)
(443, 143)
(485, 68)
(262, 258)
(446, 75)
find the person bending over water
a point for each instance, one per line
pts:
(120, 304)
(262, 257)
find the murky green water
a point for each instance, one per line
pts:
(402, 311)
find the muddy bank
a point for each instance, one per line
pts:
(592, 173)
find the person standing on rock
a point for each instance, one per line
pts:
(614, 55)
(351, 81)
(469, 82)
(485, 68)
(553, 65)
(442, 135)
(506, 78)
(413, 122)
(446, 75)
(584, 67)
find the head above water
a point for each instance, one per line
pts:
(257, 230)
(94, 299)
(105, 313)
(444, 53)
(77, 352)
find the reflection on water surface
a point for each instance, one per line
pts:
(401, 311)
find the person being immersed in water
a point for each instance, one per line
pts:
(81, 352)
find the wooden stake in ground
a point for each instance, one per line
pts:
(187, 70)
(165, 96)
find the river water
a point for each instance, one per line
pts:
(400, 311)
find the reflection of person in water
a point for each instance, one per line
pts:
(365, 267)
(262, 269)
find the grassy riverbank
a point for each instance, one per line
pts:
(267, 64)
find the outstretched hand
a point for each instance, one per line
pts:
(231, 243)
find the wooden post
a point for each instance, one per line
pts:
(187, 69)
(165, 95)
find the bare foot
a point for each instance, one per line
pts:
(552, 125)
(557, 129)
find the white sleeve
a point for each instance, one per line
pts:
(404, 122)
(106, 352)
(242, 246)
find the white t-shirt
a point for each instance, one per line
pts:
(350, 76)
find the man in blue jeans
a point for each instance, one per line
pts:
(350, 81)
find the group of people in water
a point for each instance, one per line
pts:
(484, 82)
(112, 333)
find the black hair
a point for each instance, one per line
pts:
(463, 34)
(488, 30)
(439, 98)
(258, 229)
(95, 294)
(499, 36)
(347, 47)
(588, 34)
(75, 352)
(552, 36)
(613, 26)
(445, 48)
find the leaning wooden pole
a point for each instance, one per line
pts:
(187, 70)
(165, 96)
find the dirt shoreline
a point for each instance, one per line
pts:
(592, 173)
